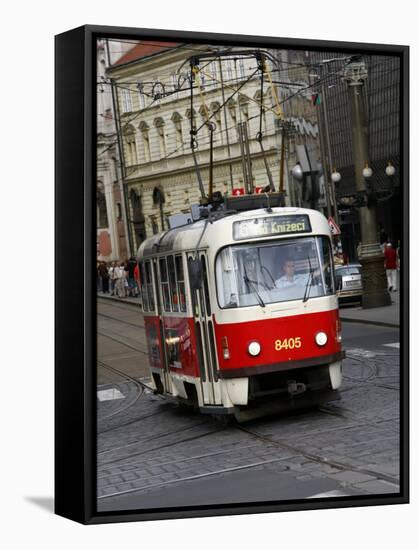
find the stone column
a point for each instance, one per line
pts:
(371, 256)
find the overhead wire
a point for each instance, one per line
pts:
(288, 98)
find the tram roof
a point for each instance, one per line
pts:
(218, 231)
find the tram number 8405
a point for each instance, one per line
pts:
(288, 343)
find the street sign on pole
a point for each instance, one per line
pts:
(335, 229)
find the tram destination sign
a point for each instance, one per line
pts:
(274, 225)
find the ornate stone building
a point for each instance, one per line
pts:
(111, 229)
(154, 111)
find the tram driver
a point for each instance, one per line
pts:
(289, 278)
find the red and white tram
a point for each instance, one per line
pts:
(240, 312)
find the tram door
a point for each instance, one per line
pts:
(161, 334)
(204, 332)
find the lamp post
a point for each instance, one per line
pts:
(371, 256)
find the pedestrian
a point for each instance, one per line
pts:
(129, 273)
(104, 275)
(112, 278)
(98, 278)
(399, 255)
(390, 265)
(119, 274)
(137, 279)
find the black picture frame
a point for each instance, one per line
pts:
(75, 242)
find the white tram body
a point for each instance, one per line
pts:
(241, 312)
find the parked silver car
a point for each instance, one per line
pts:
(349, 282)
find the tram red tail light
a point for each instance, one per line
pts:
(338, 330)
(224, 345)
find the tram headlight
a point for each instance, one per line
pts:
(254, 348)
(321, 338)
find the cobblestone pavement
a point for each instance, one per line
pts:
(152, 451)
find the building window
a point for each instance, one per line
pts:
(118, 211)
(141, 100)
(205, 116)
(177, 122)
(131, 147)
(240, 68)
(213, 73)
(154, 226)
(146, 141)
(126, 101)
(216, 111)
(229, 71)
(102, 214)
(159, 124)
(244, 108)
(174, 80)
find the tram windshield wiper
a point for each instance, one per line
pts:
(309, 281)
(252, 285)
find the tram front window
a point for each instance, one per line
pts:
(264, 273)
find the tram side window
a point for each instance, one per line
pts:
(180, 282)
(149, 286)
(172, 283)
(143, 287)
(164, 284)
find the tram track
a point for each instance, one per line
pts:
(373, 366)
(158, 447)
(318, 459)
(135, 465)
(101, 333)
(194, 477)
(122, 321)
(294, 452)
(138, 385)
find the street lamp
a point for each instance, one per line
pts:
(336, 177)
(297, 172)
(367, 171)
(371, 257)
(390, 169)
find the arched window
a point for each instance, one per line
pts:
(137, 209)
(141, 96)
(130, 146)
(244, 107)
(205, 115)
(144, 129)
(177, 122)
(159, 124)
(240, 68)
(215, 108)
(232, 104)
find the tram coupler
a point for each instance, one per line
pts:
(295, 388)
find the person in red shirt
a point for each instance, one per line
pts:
(390, 264)
(137, 279)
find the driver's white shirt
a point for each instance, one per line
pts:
(296, 280)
